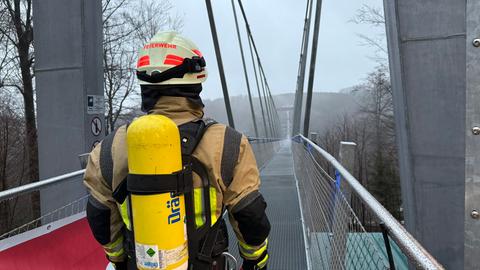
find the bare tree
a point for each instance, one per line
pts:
(127, 25)
(149, 17)
(17, 40)
(118, 60)
(372, 128)
(374, 17)
(377, 102)
(12, 164)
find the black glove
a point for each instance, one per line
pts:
(120, 265)
(258, 264)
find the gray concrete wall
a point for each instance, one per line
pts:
(427, 62)
(472, 144)
(68, 68)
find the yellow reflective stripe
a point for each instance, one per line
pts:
(124, 213)
(263, 262)
(115, 254)
(198, 202)
(252, 252)
(213, 204)
(114, 249)
(115, 243)
(198, 205)
(253, 248)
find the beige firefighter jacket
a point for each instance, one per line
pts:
(209, 151)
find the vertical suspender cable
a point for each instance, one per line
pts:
(277, 119)
(273, 109)
(311, 75)
(267, 104)
(275, 114)
(213, 29)
(258, 88)
(269, 107)
(297, 113)
(245, 69)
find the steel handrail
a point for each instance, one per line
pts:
(264, 140)
(13, 192)
(405, 241)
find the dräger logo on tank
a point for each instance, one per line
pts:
(150, 265)
(174, 205)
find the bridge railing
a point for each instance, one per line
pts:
(21, 207)
(336, 238)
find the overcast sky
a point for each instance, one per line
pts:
(277, 27)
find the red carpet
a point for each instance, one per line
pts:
(70, 247)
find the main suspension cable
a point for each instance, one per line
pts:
(302, 64)
(216, 44)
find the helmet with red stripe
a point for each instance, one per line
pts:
(170, 59)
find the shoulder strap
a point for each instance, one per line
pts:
(199, 239)
(231, 151)
(191, 134)
(209, 121)
(106, 160)
(106, 167)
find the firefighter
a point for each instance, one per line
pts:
(225, 176)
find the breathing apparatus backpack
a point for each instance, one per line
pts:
(163, 233)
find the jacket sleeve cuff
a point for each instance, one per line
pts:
(115, 251)
(252, 253)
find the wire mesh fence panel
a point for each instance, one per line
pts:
(345, 226)
(335, 236)
(20, 213)
(264, 149)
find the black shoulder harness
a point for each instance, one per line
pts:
(201, 240)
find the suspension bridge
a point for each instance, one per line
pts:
(322, 217)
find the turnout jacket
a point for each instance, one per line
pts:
(240, 195)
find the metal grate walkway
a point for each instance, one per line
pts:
(286, 242)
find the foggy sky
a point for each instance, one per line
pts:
(277, 27)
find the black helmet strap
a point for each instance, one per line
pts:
(195, 64)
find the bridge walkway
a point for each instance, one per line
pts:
(286, 241)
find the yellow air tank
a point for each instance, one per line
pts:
(159, 223)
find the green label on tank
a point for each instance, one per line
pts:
(150, 252)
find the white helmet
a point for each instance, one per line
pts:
(170, 59)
